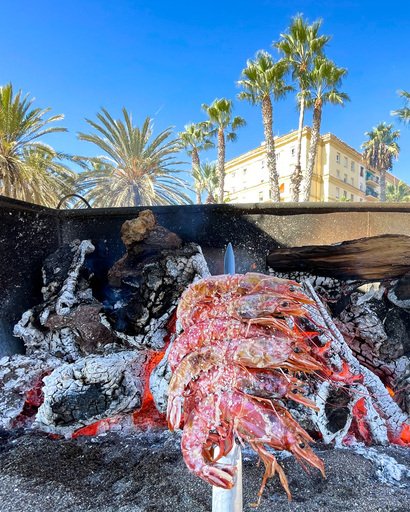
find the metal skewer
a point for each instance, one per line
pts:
(229, 500)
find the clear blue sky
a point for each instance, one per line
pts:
(165, 58)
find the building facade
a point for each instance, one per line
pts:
(339, 174)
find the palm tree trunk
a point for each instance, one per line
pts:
(267, 117)
(195, 168)
(137, 195)
(221, 164)
(307, 181)
(296, 177)
(210, 199)
(383, 185)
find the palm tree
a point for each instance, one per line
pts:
(322, 83)
(29, 169)
(223, 125)
(207, 180)
(261, 79)
(300, 46)
(380, 150)
(403, 113)
(398, 192)
(137, 169)
(195, 139)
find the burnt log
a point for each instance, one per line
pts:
(144, 286)
(66, 325)
(375, 258)
(384, 417)
(93, 388)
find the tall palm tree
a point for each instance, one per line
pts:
(222, 124)
(379, 151)
(262, 79)
(137, 169)
(322, 87)
(29, 169)
(300, 46)
(403, 113)
(398, 192)
(195, 139)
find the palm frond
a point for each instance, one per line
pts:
(137, 168)
(30, 169)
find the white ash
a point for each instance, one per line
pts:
(91, 389)
(361, 320)
(43, 342)
(18, 375)
(61, 292)
(357, 391)
(67, 295)
(329, 288)
(388, 471)
(378, 337)
(393, 416)
(161, 376)
(320, 418)
(401, 303)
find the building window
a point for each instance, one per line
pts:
(244, 172)
(352, 166)
(352, 197)
(263, 164)
(338, 158)
(344, 193)
(270, 194)
(338, 174)
(345, 178)
(361, 199)
(361, 171)
(292, 151)
(360, 186)
(260, 196)
(337, 192)
(345, 161)
(352, 180)
(277, 157)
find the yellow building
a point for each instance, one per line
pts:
(339, 172)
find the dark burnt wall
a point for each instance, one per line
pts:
(28, 233)
(252, 229)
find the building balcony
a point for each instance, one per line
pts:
(371, 192)
(371, 179)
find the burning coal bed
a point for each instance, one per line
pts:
(97, 352)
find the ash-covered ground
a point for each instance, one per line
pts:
(146, 473)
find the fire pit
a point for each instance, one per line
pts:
(95, 338)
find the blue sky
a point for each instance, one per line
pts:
(165, 58)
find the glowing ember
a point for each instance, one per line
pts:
(359, 424)
(34, 398)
